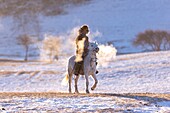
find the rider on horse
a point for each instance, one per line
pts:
(82, 44)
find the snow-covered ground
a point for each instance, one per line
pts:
(133, 73)
(88, 103)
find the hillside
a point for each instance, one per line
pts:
(110, 20)
(133, 73)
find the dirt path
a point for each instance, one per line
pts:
(150, 96)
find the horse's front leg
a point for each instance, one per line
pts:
(87, 83)
(96, 81)
(76, 80)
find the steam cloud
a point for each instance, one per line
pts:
(106, 54)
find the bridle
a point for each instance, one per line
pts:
(94, 57)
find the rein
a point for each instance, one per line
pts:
(93, 60)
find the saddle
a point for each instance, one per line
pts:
(79, 66)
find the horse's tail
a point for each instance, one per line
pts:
(65, 80)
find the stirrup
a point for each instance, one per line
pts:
(76, 74)
(97, 72)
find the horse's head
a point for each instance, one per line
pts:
(93, 47)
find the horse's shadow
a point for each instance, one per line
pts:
(149, 98)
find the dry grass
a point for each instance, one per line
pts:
(16, 63)
(31, 73)
(5, 63)
(51, 72)
(7, 72)
(9, 62)
(143, 96)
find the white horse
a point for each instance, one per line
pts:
(89, 68)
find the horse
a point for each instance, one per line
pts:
(89, 67)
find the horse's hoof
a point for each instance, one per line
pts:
(76, 92)
(92, 89)
(87, 92)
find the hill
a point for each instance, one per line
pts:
(113, 21)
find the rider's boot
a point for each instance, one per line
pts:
(77, 68)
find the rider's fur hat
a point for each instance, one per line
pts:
(83, 27)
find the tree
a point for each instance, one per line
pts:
(153, 40)
(51, 45)
(25, 41)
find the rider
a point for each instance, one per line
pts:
(82, 44)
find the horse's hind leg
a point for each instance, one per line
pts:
(70, 80)
(70, 84)
(96, 81)
(76, 80)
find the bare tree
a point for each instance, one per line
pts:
(166, 42)
(153, 40)
(52, 45)
(25, 41)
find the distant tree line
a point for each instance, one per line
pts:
(44, 7)
(153, 40)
